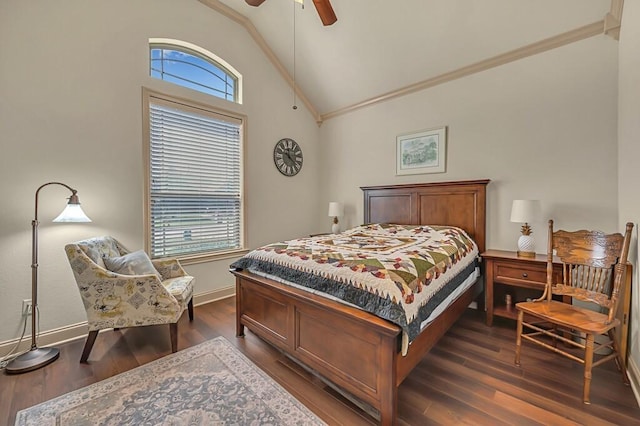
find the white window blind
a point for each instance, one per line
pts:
(195, 180)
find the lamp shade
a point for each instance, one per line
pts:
(336, 209)
(525, 211)
(72, 213)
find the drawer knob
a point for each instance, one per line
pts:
(524, 275)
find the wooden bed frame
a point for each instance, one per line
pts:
(353, 349)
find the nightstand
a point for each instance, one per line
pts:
(508, 276)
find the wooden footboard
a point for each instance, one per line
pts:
(353, 349)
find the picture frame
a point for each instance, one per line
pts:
(422, 152)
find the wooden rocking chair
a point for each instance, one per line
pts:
(594, 266)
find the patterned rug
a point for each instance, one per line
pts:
(209, 384)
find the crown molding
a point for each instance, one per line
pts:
(613, 19)
(550, 43)
(616, 8)
(239, 18)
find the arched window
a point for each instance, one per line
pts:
(194, 160)
(191, 66)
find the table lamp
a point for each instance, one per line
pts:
(525, 211)
(335, 209)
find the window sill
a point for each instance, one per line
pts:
(209, 257)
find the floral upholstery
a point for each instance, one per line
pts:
(113, 300)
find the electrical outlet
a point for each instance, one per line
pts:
(27, 307)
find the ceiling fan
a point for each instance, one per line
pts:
(325, 11)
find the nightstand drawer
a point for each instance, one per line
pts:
(521, 272)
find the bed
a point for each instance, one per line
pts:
(364, 357)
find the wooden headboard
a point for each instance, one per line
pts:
(458, 203)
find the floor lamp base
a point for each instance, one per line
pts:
(32, 360)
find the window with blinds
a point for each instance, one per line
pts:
(195, 180)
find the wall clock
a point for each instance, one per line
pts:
(287, 156)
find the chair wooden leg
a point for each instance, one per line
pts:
(619, 362)
(588, 363)
(88, 345)
(173, 332)
(190, 309)
(519, 337)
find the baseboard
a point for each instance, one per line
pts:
(212, 296)
(46, 338)
(634, 377)
(79, 330)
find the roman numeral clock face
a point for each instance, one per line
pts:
(287, 157)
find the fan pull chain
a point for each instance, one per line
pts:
(294, 55)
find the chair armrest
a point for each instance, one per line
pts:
(116, 300)
(169, 268)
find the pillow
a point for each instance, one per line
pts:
(136, 263)
(95, 256)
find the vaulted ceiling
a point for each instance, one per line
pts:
(382, 48)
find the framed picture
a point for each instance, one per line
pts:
(422, 152)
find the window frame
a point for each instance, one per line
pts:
(149, 96)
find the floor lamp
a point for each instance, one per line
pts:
(39, 357)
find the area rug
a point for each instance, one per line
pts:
(208, 384)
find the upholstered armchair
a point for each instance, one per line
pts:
(122, 289)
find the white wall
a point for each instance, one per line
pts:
(542, 128)
(629, 156)
(71, 78)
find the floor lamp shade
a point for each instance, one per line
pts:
(72, 212)
(39, 357)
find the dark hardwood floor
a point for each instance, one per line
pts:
(468, 378)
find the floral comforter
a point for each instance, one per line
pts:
(397, 272)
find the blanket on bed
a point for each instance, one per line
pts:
(397, 272)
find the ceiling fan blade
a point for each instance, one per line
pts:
(254, 2)
(325, 11)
